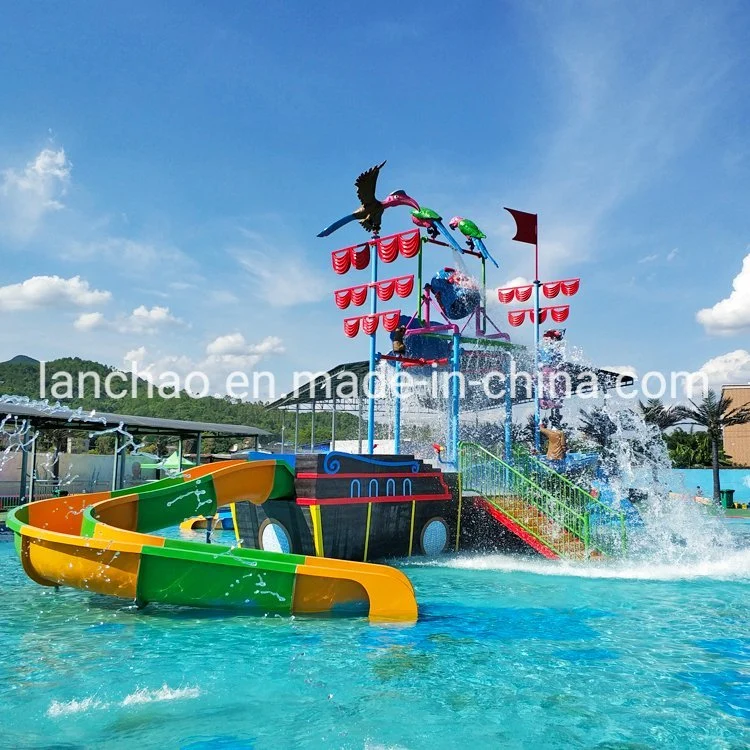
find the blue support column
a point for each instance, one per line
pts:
(373, 354)
(508, 453)
(455, 400)
(397, 412)
(537, 419)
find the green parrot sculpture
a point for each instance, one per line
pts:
(473, 234)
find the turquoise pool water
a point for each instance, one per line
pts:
(507, 653)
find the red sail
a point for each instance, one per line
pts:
(570, 286)
(404, 286)
(343, 297)
(361, 257)
(341, 260)
(370, 323)
(388, 249)
(551, 289)
(409, 243)
(506, 295)
(359, 295)
(385, 289)
(390, 319)
(351, 327)
(559, 314)
(523, 293)
(516, 317)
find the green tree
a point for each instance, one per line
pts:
(656, 413)
(692, 450)
(715, 413)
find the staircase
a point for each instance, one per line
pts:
(544, 508)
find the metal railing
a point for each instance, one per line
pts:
(607, 528)
(570, 521)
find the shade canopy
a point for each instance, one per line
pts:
(173, 462)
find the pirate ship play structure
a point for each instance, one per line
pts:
(309, 526)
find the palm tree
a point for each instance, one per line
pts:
(715, 414)
(598, 426)
(654, 412)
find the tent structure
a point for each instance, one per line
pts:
(173, 462)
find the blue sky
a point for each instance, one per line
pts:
(171, 165)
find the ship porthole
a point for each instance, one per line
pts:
(434, 537)
(273, 537)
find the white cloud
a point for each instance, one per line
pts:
(135, 355)
(90, 321)
(294, 284)
(132, 257)
(223, 297)
(672, 254)
(280, 277)
(649, 258)
(50, 292)
(233, 351)
(28, 194)
(732, 368)
(224, 355)
(732, 314)
(142, 320)
(517, 281)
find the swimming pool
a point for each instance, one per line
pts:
(507, 653)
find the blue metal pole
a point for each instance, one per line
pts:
(455, 396)
(508, 413)
(397, 412)
(537, 285)
(373, 354)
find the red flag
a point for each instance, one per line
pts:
(525, 226)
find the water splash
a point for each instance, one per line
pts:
(164, 693)
(140, 696)
(734, 566)
(635, 465)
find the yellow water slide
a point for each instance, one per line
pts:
(103, 542)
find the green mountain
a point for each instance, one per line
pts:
(20, 376)
(21, 359)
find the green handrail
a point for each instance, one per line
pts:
(606, 539)
(590, 499)
(566, 537)
(559, 499)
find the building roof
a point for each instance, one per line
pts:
(317, 389)
(320, 390)
(80, 419)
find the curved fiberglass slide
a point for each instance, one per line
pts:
(102, 542)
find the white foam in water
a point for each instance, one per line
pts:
(64, 708)
(164, 693)
(736, 565)
(139, 697)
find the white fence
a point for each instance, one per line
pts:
(78, 472)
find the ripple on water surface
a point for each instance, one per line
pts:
(506, 653)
